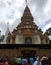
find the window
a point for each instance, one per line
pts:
(28, 40)
(36, 39)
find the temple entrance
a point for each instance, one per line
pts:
(28, 40)
(28, 53)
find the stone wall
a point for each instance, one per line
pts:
(11, 53)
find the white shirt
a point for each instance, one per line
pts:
(35, 63)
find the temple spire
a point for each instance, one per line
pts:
(7, 31)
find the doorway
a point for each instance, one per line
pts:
(28, 40)
(28, 53)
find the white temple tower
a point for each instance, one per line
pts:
(6, 34)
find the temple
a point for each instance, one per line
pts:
(27, 32)
(25, 40)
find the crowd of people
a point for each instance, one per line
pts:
(4, 61)
(27, 60)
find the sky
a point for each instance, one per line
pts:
(12, 10)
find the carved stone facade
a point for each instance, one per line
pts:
(27, 32)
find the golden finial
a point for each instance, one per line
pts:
(26, 2)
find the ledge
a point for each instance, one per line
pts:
(15, 46)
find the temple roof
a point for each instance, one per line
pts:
(27, 8)
(27, 11)
(27, 16)
(27, 21)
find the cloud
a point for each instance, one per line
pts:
(47, 7)
(46, 27)
(3, 27)
(39, 4)
(14, 25)
(42, 12)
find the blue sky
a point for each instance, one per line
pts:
(12, 10)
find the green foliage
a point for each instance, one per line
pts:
(48, 31)
(50, 42)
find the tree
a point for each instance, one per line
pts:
(48, 31)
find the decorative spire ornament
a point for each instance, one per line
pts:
(26, 2)
(6, 34)
(7, 31)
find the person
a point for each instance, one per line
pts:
(27, 61)
(24, 60)
(1, 62)
(15, 60)
(37, 61)
(5, 63)
(44, 60)
(31, 60)
(49, 61)
(19, 60)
